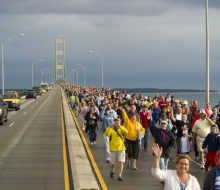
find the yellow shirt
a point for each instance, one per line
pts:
(201, 128)
(116, 143)
(148, 104)
(132, 128)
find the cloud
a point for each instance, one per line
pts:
(144, 43)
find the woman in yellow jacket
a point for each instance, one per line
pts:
(116, 132)
(134, 130)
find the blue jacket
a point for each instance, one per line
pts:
(106, 119)
(156, 114)
(212, 142)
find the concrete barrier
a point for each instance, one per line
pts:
(82, 172)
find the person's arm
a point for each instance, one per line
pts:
(96, 116)
(102, 114)
(142, 130)
(205, 143)
(172, 116)
(210, 121)
(108, 131)
(87, 116)
(157, 154)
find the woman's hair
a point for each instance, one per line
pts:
(133, 114)
(83, 103)
(182, 156)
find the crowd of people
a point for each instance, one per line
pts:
(126, 120)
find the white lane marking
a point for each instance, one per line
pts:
(195, 162)
(25, 113)
(12, 124)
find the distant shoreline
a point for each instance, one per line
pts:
(155, 90)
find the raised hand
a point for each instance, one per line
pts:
(157, 150)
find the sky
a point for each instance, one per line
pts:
(144, 43)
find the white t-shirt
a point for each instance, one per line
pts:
(184, 143)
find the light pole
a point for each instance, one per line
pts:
(207, 52)
(47, 74)
(42, 72)
(33, 71)
(76, 76)
(50, 79)
(101, 56)
(3, 45)
(73, 76)
(84, 73)
(70, 77)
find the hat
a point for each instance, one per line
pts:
(145, 97)
(107, 109)
(176, 100)
(116, 119)
(202, 111)
(163, 121)
(184, 102)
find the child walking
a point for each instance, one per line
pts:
(183, 143)
(212, 141)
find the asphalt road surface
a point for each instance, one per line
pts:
(31, 155)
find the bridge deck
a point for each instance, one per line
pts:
(135, 179)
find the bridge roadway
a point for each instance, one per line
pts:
(140, 178)
(31, 154)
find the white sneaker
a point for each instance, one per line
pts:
(134, 167)
(202, 166)
(83, 128)
(94, 142)
(91, 143)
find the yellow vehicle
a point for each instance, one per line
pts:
(12, 99)
(43, 91)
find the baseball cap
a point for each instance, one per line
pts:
(163, 121)
(202, 111)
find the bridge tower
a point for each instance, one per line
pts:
(60, 60)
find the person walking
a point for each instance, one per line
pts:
(144, 114)
(107, 117)
(91, 118)
(134, 129)
(82, 112)
(200, 130)
(74, 103)
(165, 139)
(212, 141)
(117, 148)
(174, 179)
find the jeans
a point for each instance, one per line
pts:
(146, 137)
(72, 104)
(92, 134)
(106, 141)
(164, 163)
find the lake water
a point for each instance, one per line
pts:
(199, 96)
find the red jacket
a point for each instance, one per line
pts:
(162, 104)
(144, 119)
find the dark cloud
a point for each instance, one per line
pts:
(144, 43)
